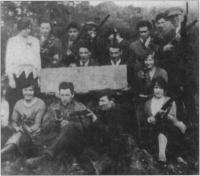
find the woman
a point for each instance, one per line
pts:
(149, 72)
(26, 120)
(168, 128)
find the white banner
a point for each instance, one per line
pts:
(85, 79)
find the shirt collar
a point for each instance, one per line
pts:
(115, 63)
(84, 64)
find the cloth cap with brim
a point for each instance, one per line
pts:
(90, 25)
(174, 11)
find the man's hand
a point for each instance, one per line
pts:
(64, 123)
(151, 119)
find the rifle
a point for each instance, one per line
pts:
(98, 28)
(166, 107)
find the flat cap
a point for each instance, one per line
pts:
(173, 11)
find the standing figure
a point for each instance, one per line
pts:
(22, 51)
(140, 47)
(50, 46)
(22, 56)
(70, 44)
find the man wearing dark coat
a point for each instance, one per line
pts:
(71, 119)
(70, 44)
(140, 47)
(84, 56)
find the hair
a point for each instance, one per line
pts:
(45, 21)
(67, 85)
(105, 93)
(73, 25)
(144, 23)
(161, 83)
(23, 24)
(114, 45)
(84, 44)
(160, 16)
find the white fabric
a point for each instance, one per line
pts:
(22, 51)
(156, 105)
(152, 72)
(4, 113)
(146, 42)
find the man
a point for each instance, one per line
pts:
(23, 51)
(48, 42)
(140, 47)
(70, 44)
(73, 119)
(115, 55)
(183, 84)
(84, 59)
(110, 134)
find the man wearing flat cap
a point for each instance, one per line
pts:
(174, 15)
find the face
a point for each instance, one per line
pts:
(84, 54)
(28, 93)
(149, 62)
(144, 32)
(55, 59)
(161, 23)
(66, 96)
(105, 103)
(158, 91)
(45, 29)
(26, 32)
(115, 53)
(73, 33)
(176, 20)
(92, 32)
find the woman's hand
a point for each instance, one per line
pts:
(151, 120)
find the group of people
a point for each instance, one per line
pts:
(157, 75)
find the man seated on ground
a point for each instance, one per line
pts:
(109, 133)
(84, 56)
(73, 119)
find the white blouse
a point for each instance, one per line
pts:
(156, 104)
(22, 51)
